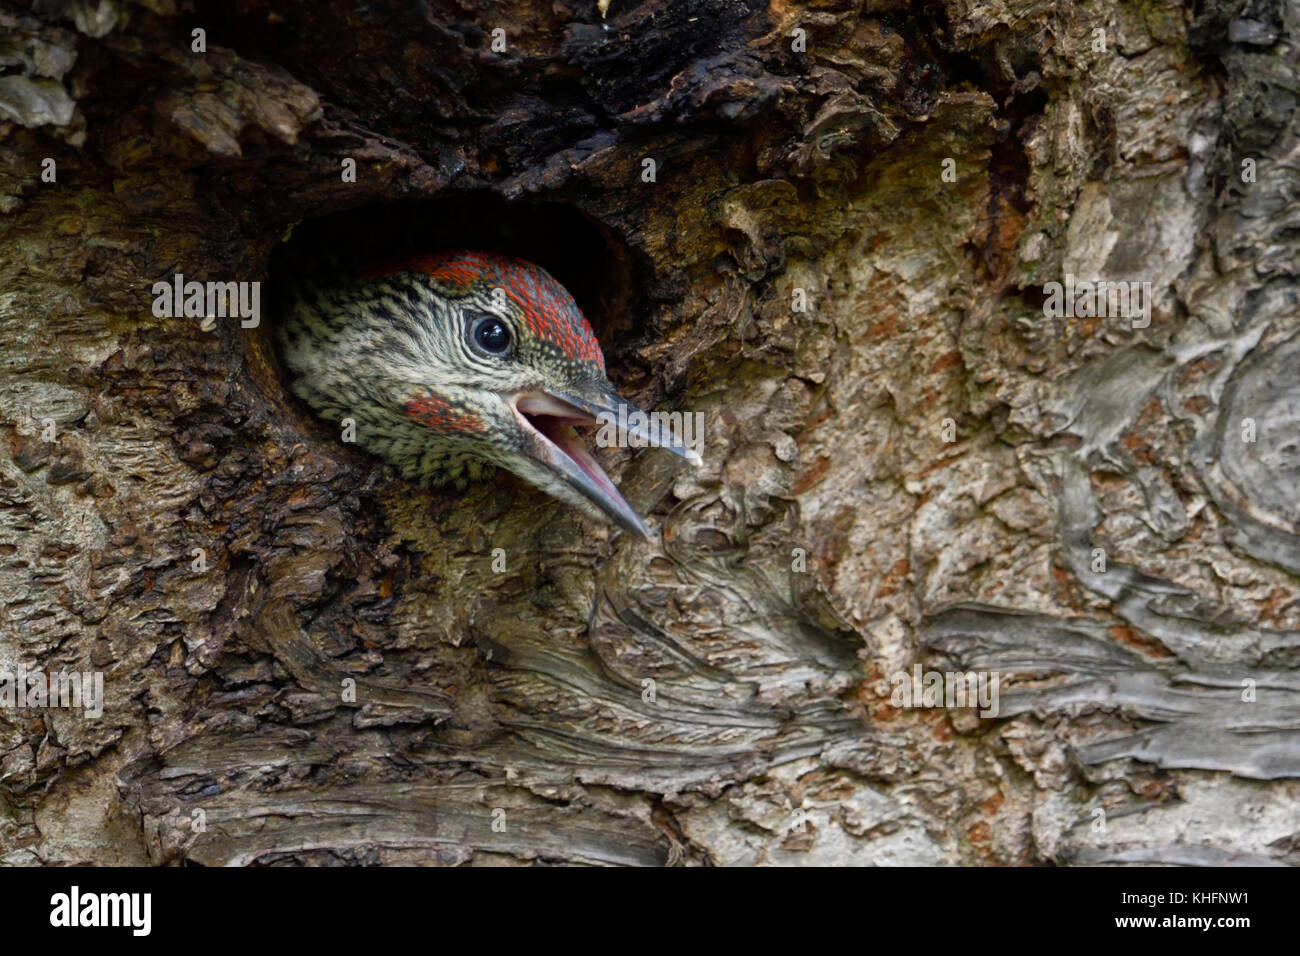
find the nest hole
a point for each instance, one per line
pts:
(597, 268)
(586, 258)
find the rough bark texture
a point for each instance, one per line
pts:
(770, 735)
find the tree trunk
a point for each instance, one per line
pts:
(833, 230)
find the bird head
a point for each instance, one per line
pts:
(451, 359)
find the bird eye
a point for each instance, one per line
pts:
(492, 335)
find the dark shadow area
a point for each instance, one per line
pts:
(595, 268)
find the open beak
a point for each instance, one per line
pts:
(549, 419)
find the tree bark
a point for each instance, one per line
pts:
(308, 660)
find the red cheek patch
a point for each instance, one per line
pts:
(442, 416)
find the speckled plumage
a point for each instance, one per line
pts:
(390, 348)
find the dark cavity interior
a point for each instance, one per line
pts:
(586, 258)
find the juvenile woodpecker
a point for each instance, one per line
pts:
(455, 362)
